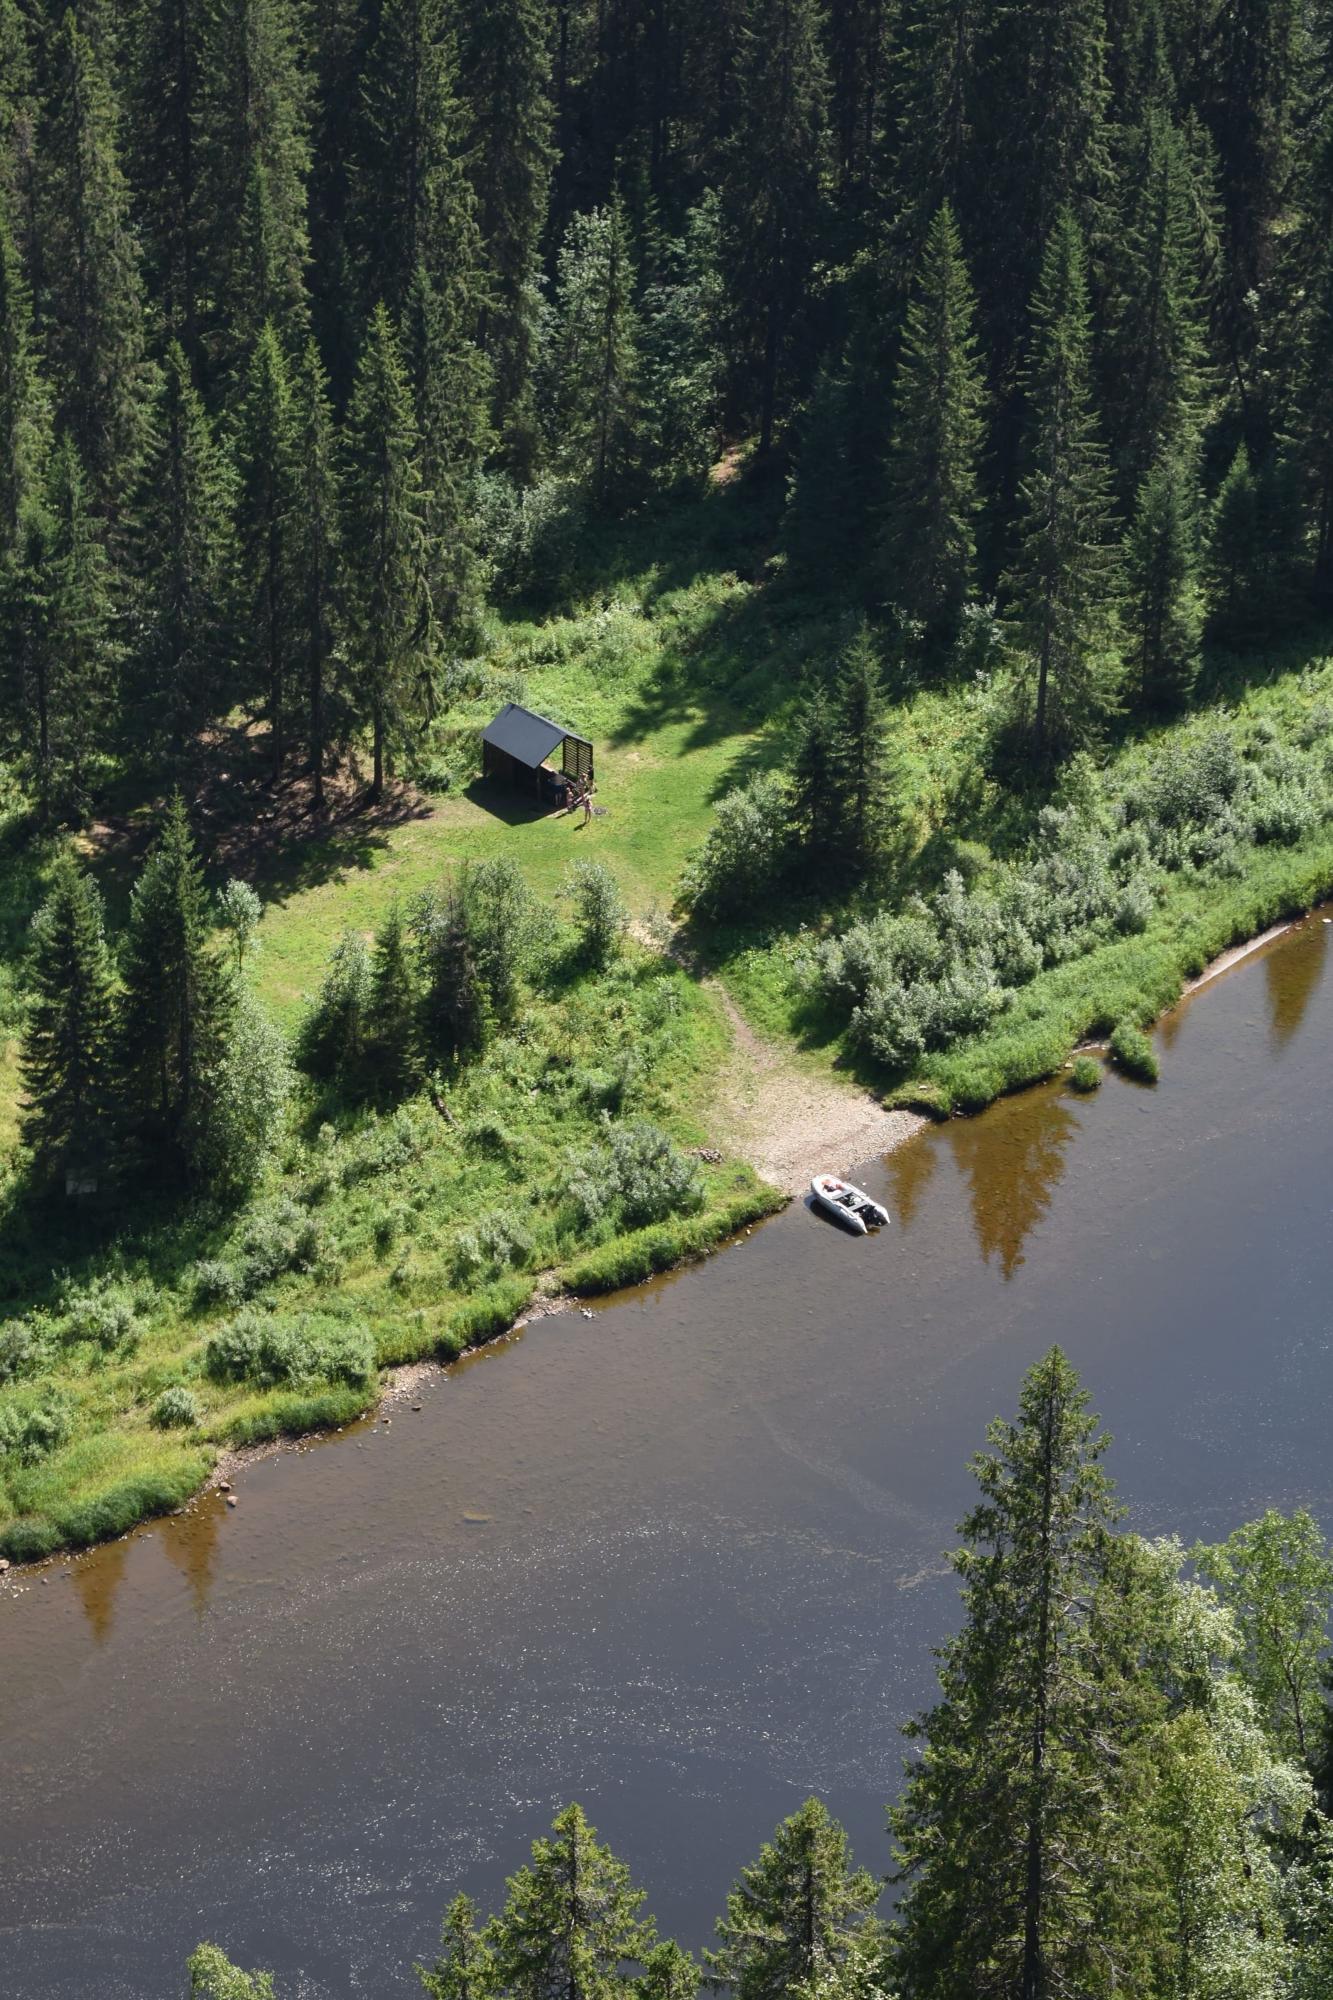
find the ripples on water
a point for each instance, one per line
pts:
(711, 1569)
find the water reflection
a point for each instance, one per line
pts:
(1013, 1161)
(1291, 977)
(910, 1170)
(97, 1578)
(190, 1540)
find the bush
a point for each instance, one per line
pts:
(498, 1242)
(246, 1091)
(176, 1408)
(746, 850)
(283, 1237)
(271, 1350)
(1086, 1074)
(23, 1351)
(600, 916)
(1132, 1052)
(634, 1177)
(33, 1427)
(332, 1038)
(384, 1146)
(104, 1319)
(217, 1282)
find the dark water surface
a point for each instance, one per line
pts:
(708, 1573)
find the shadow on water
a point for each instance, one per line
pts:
(1013, 1162)
(1291, 979)
(910, 1171)
(97, 1579)
(190, 1541)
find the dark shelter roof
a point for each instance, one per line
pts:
(529, 738)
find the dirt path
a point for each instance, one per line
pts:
(790, 1124)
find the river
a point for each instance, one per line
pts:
(680, 1559)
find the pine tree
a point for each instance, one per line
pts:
(268, 496)
(793, 1913)
(391, 1021)
(931, 133)
(66, 1053)
(168, 49)
(1315, 430)
(938, 434)
(682, 357)
(860, 786)
(85, 629)
(571, 1920)
(773, 200)
(185, 551)
(28, 644)
(594, 360)
(464, 1969)
(506, 87)
(1062, 586)
(1157, 361)
(175, 1004)
(1029, 1893)
(813, 779)
(253, 155)
(669, 1973)
(313, 543)
(23, 404)
(91, 307)
(453, 1014)
(1233, 541)
(389, 616)
(413, 205)
(450, 383)
(1163, 595)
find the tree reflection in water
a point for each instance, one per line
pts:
(910, 1168)
(191, 1541)
(97, 1578)
(1291, 978)
(1013, 1159)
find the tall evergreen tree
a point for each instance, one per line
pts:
(450, 382)
(413, 202)
(391, 1020)
(1157, 360)
(1314, 424)
(571, 1920)
(253, 152)
(859, 801)
(24, 415)
(91, 305)
(186, 569)
(931, 133)
(66, 1054)
(390, 626)
(268, 496)
(175, 1004)
(463, 1969)
(1012, 1834)
(813, 779)
(313, 544)
(594, 358)
(85, 621)
(453, 1005)
(1062, 585)
(168, 48)
(506, 86)
(938, 434)
(774, 203)
(1163, 593)
(791, 1917)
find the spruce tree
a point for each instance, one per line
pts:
(773, 198)
(66, 1051)
(463, 1969)
(453, 1014)
(28, 647)
(1013, 1836)
(669, 1973)
(268, 496)
(450, 383)
(413, 204)
(1157, 351)
(1314, 424)
(91, 305)
(1233, 542)
(391, 1019)
(506, 89)
(1163, 595)
(793, 1913)
(313, 542)
(813, 780)
(390, 626)
(168, 50)
(938, 433)
(85, 626)
(859, 803)
(175, 1004)
(930, 138)
(24, 416)
(253, 166)
(185, 561)
(1062, 586)
(571, 1920)
(594, 359)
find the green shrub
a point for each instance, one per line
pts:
(272, 1350)
(491, 1313)
(745, 852)
(1132, 1052)
(103, 1318)
(280, 1238)
(600, 916)
(23, 1350)
(177, 1408)
(217, 1282)
(33, 1426)
(1086, 1073)
(497, 1241)
(633, 1177)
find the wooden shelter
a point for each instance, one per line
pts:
(519, 748)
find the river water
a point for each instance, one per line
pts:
(680, 1559)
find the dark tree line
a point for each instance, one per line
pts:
(296, 302)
